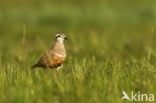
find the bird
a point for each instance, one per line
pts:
(55, 56)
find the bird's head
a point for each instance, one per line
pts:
(60, 37)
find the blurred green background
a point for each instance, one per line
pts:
(111, 48)
(124, 23)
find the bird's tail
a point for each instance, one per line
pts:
(34, 66)
(38, 65)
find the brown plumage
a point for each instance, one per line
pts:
(55, 56)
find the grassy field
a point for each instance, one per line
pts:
(111, 48)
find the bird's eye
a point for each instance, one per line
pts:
(58, 36)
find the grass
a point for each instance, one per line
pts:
(111, 48)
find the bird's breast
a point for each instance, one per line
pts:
(61, 55)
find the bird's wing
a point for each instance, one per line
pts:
(44, 59)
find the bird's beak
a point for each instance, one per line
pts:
(66, 38)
